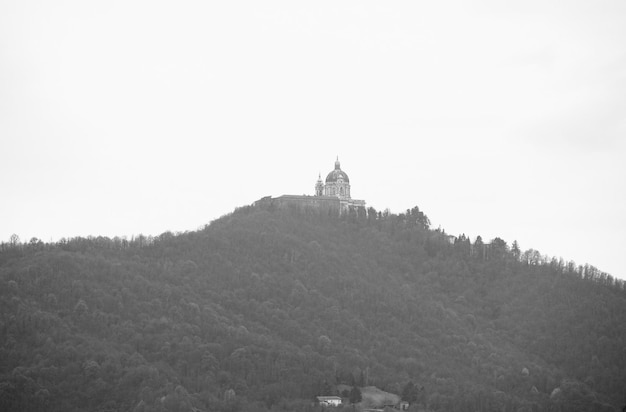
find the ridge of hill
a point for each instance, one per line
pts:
(266, 308)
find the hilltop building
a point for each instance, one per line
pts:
(332, 195)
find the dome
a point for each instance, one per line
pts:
(337, 174)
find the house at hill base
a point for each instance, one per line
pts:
(333, 195)
(329, 400)
(401, 406)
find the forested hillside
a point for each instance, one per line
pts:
(264, 309)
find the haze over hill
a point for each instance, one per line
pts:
(267, 307)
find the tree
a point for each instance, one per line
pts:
(371, 214)
(410, 392)
(515, 250)
(479, 247)
(14, 240)
(355, 395)
(418, 217)
(323, 343)
(498, 249)
(81, 308)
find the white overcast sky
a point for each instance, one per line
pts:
(496, 118)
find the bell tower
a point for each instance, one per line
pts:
(319, 186)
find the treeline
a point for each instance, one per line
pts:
(266, 308)
(497, 248)
(80, 244)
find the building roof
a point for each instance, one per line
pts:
(329, 398)
(334, 175)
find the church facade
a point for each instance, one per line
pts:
(333, 194)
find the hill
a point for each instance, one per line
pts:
(265, 308)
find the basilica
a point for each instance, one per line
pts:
(332, 194)
(337, 185)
